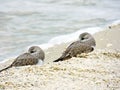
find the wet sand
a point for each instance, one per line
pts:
(98, 70)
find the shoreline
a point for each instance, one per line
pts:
(102, 43)
(96, 70)
(51, 43)
(105, 39)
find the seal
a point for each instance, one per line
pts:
(32, 57)
(85, 44)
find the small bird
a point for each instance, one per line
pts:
(87, 38)
(34, 55)
(37, 52)
(85, 44)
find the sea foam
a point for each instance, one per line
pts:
(74, 36)
(69, 37)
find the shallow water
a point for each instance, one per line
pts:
(35, 22)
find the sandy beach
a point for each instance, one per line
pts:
(98, 70)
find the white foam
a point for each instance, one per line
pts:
(46, 45)
(114, 23)
(69, 37)
(74, 36)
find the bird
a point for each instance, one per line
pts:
(87, 38)
(37, 52)
(32, 57)
(85, 44)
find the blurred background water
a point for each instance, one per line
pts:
(27, 22)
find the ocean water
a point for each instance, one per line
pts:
(48, 22)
